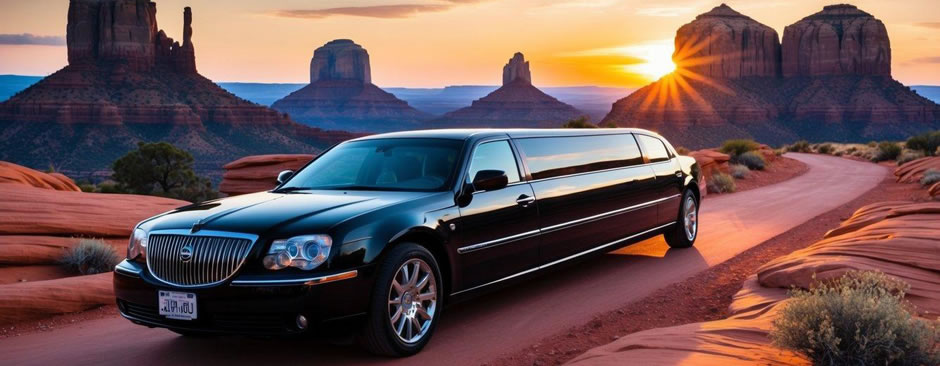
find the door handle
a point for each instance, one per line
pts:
(524, 200)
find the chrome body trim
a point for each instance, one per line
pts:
(215, 254)
(128, 269)
(511, 238)
(496, 242)
(570, 257)
(308, 281)
(607, 214)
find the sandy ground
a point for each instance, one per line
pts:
(503, 322)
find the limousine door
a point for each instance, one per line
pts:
(668, 177)
(497, 232)
(591, 190)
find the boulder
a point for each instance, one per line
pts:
(13, 173)
(711, 162)
(34, 300)
(20, 250)
(913, 171)
(258, 173)
(934, 190)
(767, 152)
(723, 43)
(28, 210)
(839, 40)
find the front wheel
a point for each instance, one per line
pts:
(406, 302)
(684, 233)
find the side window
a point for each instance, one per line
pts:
(653, 148)
(549, 157)
(496, 155)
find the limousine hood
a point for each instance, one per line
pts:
(266, 213)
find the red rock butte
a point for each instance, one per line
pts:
(341, 94)
(517, 103)
(830, 79)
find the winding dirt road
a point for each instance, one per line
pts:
(482, 329)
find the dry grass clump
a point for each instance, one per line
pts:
(720, 183)
(887, 150)
(738, 147)
(751, 159)
(90, 257)
(931, 176)
(739, 171)
(858, 319)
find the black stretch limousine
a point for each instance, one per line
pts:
(378, 233)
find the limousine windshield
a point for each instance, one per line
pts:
(396, 164)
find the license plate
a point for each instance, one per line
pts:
(177, 305)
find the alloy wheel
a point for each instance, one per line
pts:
(412, 300)
(691, 218)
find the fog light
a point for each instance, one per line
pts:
(301, 322)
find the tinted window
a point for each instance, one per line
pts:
(496, 155)
(555, 156)
(382, 164)
(653, 148)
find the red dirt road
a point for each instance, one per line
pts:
(482, 329)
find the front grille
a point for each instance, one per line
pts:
(211, 259)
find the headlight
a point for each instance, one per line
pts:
(138, 245)
(305, 252)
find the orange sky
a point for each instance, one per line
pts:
(433, 43)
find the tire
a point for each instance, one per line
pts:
(679, 235)
(419, 302)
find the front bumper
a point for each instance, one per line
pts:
(251, 305)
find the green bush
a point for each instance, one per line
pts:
(739, 146)
(739, 171)
(931, 176)
(751, 159)
(580, 122)
(720, 183)
(859, 319)
(927, 143)
(887, 151)
(161, 169)
(825, 149)
(909, 156)
(90, 257)
(800, 146)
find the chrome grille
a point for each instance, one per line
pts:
(213, 259)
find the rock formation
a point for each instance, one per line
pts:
(723, 43)
(341, 94)
(17, 174)
(896, 238)
(517, 103)
(127, 82)
(258, 173)
(913, 171)
(839, 40)
(830, 80)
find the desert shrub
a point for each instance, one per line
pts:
(580, 122)
(739, 146)
(909, 156)
(109, 186)
(720, 183)
(824, 149)
(161, 169)
(931, 176)
(751, 159)
(739, 171)
(87, 187)
(851, 149)
(800, 146)
(90, 257)
(682, 150)
(927, 143)
(859, 319)
(872, 143)
(887, 151)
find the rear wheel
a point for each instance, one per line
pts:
(684, 233)
(406, 302)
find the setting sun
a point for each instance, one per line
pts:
(657, 56)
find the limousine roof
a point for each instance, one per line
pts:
(463, 134)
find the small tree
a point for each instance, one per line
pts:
(580, 122)
(161, 169)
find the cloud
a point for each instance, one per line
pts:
(31, 39)
(392, 11)
(934, 25)
(927, 60)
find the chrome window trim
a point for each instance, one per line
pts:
(202, 233)
(309, 281)
(511, 238)
(497, 242)
(570, 257)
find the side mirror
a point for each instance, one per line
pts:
(284, 176)
(490, 180)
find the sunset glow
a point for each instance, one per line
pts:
(657, 57)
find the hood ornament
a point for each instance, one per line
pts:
(196, 226)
